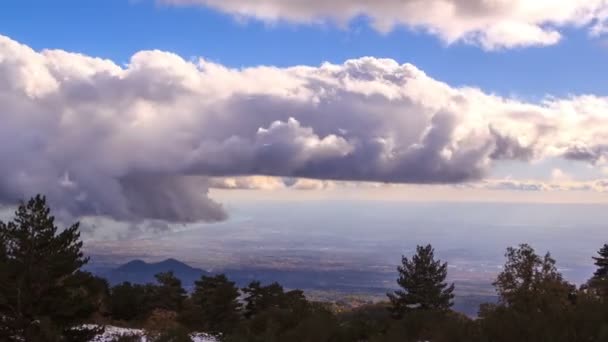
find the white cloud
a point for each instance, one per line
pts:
(597, 185)
(493, 24)
(312, 184)
(247, 183)
(560, 181)
(558, 175)
(268, 183)
(140, 141)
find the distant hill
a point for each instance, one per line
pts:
(322, 285)
(141, 272)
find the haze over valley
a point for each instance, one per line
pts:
(339, 248)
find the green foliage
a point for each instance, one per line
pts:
(135, 302)
(45, 296)
(43, 293)
(319, 325)
(271, 312)
(263, 298)
(428, 325)
(535, 304)
(168, 294)
(602, 263)
(214, 305)
(529, 281)
(599, 281)
(367, 321)
(422, 282)
(128, 302)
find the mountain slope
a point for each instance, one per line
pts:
(141, 272)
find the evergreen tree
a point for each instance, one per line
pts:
(272, 312)
(168, 294)
(128, 302)
(602, 263)
(599, 281)
(43, 294)
(261, 298)
(216, 298)
(422, 282)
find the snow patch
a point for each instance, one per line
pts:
(112, 332)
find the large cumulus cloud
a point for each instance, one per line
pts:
(492, 24)
(140, 141)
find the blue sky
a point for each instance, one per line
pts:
(116, 29)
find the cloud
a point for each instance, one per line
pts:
(490, 24)
(558, 175)
(598, 185)
(312, 184)
(140, 141)
(560, 181)
(268, 183)
(169, 198)
(593, 154)
(247, 183)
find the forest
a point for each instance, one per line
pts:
(45, 295)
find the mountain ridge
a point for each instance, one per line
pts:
(141, 272)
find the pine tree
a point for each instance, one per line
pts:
(217, 299)
(261, 298)
(128, 302)
(271, 312)
(43, 293)
(169, 293)
(422, 282)
(599, 281)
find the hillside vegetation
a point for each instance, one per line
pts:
(46, 296)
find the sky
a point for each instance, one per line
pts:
(164, 110)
